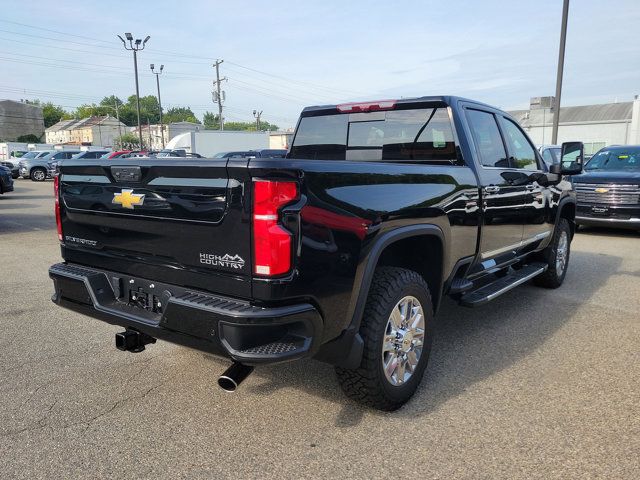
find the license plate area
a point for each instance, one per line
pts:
(149, 301)
(599, 210)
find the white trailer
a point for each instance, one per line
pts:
(209, 142)
(8, 147)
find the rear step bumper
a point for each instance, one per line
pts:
(225, 326)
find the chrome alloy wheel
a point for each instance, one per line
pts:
(403, 341)
(39, 175)
(562, 252)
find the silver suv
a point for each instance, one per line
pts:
(41, 167)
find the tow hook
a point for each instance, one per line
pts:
(233, 376)
(132, 341)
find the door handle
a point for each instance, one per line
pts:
(491, 189)
(530, 186)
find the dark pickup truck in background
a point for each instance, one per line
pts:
(342, 251)
(608, 192)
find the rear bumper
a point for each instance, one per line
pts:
(224, 326)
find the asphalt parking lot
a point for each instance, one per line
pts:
(538, 384)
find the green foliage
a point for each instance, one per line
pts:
(212, 122)
(250, 126)
(51, 113)
(127, 141)
(149, 113)
(180, 114)
(30, 138)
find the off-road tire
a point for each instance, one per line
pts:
(368, 384)
(552, 278)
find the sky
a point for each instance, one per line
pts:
(280, 56)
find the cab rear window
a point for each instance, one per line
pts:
(414, 135)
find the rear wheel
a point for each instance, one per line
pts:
(396, 329)
(38, 174)
(556, 256)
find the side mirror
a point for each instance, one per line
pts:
(571, 157)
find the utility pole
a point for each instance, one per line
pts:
(139, 45)
(157, 74)
(118, 118)
(218, 95)
(256, 115)
(563, 40)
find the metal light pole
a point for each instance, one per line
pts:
(157, 74)
(135, 47)
(563, 40)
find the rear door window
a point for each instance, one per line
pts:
(487, 138)
(413, 135)
(522, 154)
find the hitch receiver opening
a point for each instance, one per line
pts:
(132, 341)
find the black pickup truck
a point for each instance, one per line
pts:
(342, 251)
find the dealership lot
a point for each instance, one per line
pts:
(538, 384)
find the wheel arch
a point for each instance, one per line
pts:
(416, 247)
(567, 210)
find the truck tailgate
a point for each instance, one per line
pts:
(173, 220)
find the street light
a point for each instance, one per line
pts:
(563, 41)
(139, 45)
(257, 114)
(157, 74)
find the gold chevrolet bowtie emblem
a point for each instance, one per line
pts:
(602, 190)
(128, 199)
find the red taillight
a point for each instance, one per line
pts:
(271, 242)
(359, 107)
(56, 193)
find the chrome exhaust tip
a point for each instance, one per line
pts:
(233, 376)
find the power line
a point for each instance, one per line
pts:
(178, 54)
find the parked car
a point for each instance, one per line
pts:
(117, 154)
(608, 191)
(28, 157)
(235, 154)
(13, 167)
(550, 154)
(6, 180)
(272, 153)
(340, 252)
(91, 154)
(177, 153)
(13, 162)
(42, 167)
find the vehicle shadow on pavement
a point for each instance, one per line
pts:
(12, 223)
(470, 345)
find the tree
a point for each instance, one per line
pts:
(30, 138)
(111, 101)
(51, 113)
(211, 121)
(127, 141)
(250, 126)
(149, 110)
(180, 114)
